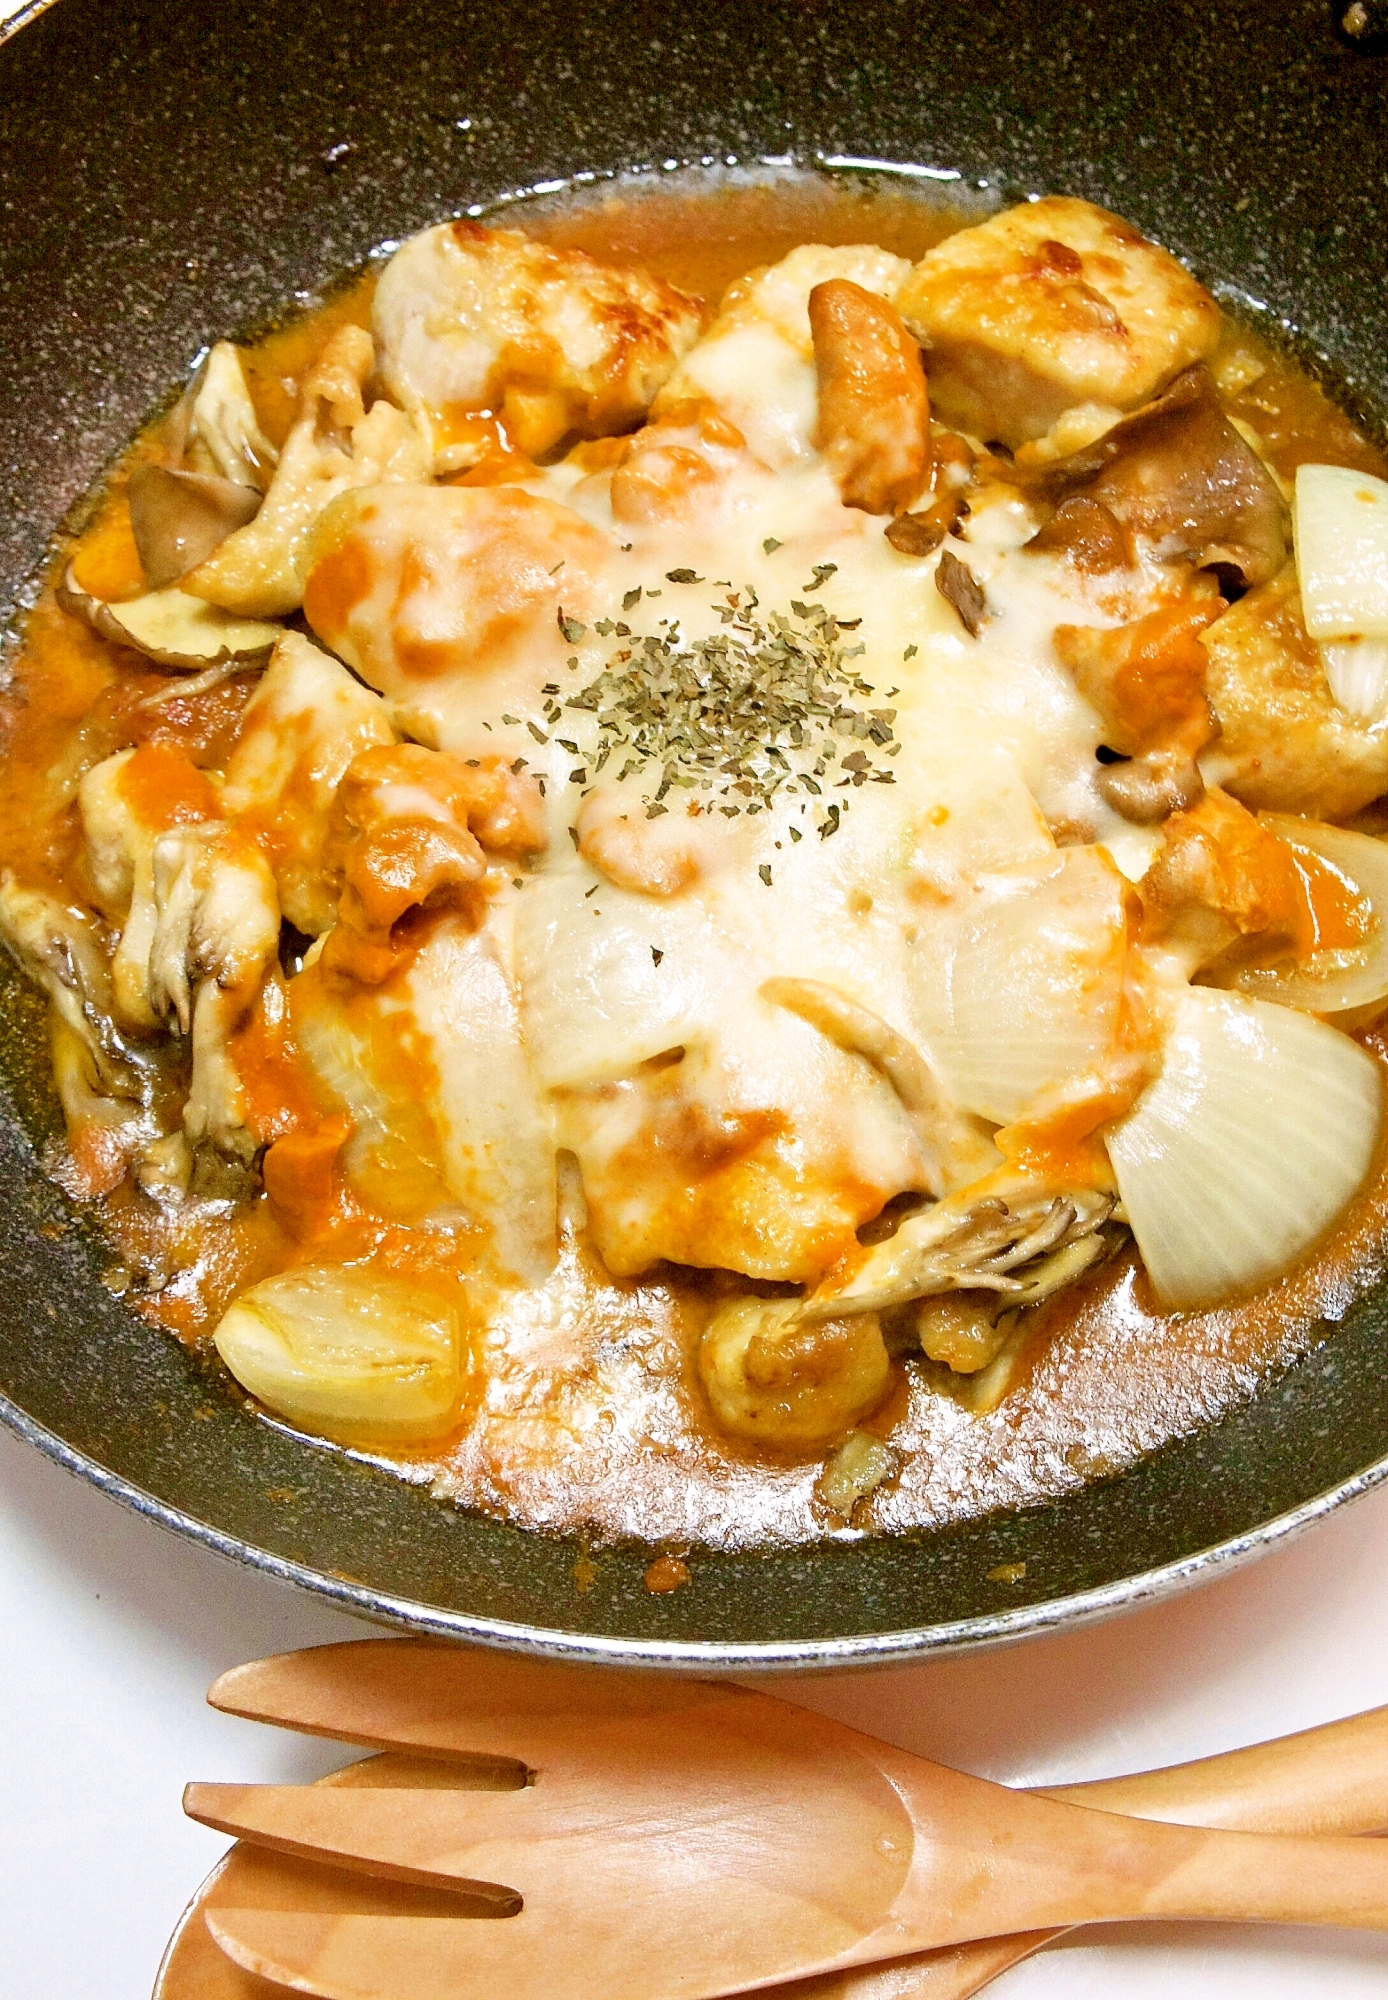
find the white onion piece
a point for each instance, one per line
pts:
(1024, 990)
(1340, 522)
(348, 1354)
(1357, 670)
(1330, 982)
(1258, 1130)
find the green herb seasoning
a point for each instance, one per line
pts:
(752, 711)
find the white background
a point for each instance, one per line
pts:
(110, 1632)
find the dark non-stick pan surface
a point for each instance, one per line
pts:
(169, 172)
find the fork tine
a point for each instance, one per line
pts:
(675, 1953)
(374, 1832)
(451, 1701)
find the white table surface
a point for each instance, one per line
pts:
(111, 1630)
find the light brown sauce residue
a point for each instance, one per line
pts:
(589, 1414)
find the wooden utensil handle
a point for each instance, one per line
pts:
(1333, 1779)
(1329, 1780)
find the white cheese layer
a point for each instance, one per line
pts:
(640, 942)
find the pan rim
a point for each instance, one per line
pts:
(854, 1649)
(985, 1632)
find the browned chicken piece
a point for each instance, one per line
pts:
(425, 589)
(1147, 682)
(667, 473)
(408, 831)
(874, 409)
(1286, 745)
(1220, 876)
(718, 1189)
(470, 319)
(299, 732)
(1048, 306)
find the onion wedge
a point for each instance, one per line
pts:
(1340, 522)
(1258, 1130)
(347, 1354)
(1022, 987)
(1357, 670)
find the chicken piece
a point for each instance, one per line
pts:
(408, 830)
(1286, 744)
(1147, 682)
(336, 444)
(672, 473)
(761, 1150)
(1221, 876)
(217, 934)
(1048, 306)
(1146, 679)
(431, 1068)
(651, 857)
(224, 438)
(126, 802)
(299, 732)
(756, 363)
(470, 319)
(448, 599)
(874, 410)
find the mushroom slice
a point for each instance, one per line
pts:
(1024, 1239)
(57, 946)
(1187, 486)
(953, 1146)
(799, 1372)
(172, 628)
(224, 434)
(178, 518)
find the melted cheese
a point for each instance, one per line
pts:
(475, 612)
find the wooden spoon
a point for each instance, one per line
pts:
(696, 1840)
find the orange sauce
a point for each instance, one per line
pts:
(590, 1416)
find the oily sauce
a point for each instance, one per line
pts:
(586, 1413)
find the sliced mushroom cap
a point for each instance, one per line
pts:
(1186, 484)
(1177, 475)
(1151, 787)
(172, 629)
(224, 435)
(179, 518)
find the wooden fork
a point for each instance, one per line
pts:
(1328, 1780)
(696, 1840)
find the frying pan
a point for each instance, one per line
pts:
(174, 169)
